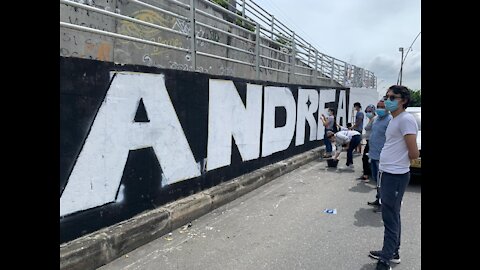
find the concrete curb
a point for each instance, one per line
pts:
(101, 247)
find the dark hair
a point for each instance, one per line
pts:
(332, 110)
(349, 125)
(357, 104)
(403, 91)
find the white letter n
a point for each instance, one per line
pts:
(227, 117)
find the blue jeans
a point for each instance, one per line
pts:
(374, 168)
(392, 188)
(328, 144)
(354, 142)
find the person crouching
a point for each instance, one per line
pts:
(348, 138)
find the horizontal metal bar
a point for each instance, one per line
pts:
(110, 34)
(291, 32)
(276, 60)
(279, 70)
(225, 58)
(224, 45)
(301, 74)
(275, 50)
(222, 9)
(308, 68)
(159, 9)
(304, 53)
(301, 58)
(276, 42)
(221, 20)
(179, 4)
(119, 16)
(258, 17)
(225, 32)
(246, 3)
(306, 42)
(278, 35)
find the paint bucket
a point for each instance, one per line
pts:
(332, 163)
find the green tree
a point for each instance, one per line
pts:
(415, 98)
(222, 3)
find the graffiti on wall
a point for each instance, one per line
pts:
(131, 141)
(185, 28)
(148, 33)
(95, 178)
(79, 46)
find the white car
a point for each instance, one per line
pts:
(416, 165)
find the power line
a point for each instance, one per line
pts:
(405, 57)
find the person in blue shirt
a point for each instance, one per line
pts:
(376, 142)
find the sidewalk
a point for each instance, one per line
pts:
(103, 246)
(282, 225)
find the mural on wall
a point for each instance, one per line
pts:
(134, 137)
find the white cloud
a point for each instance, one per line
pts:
(366, 33)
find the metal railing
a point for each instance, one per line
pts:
(256, 39)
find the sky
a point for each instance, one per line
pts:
(365, 33)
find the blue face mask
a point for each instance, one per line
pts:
(369, 114)
(381, 112)
(391, 106)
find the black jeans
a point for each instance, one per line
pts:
(354, 142)
(366, 166)
(392, 188)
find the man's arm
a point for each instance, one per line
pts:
(370, 123)
(411, 141)
(338, 150)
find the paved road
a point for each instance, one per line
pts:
(281, 225)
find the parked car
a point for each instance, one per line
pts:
(416, 165)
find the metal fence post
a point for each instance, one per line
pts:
(192, 35)
(321, 65)
(345, 74)
(273, 24)
(292, 63)
(316, 64)
(332, 70)
(257, 50)
(243, 12)
(309, 62)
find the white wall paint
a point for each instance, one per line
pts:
(305, 113)
(365, 96)
(97, 173)
(342, 108)
(227, 117)
(326, 96)
(277, 139)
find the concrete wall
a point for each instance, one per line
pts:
(80, 44)
(133, 137)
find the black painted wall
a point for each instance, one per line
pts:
(83, 86)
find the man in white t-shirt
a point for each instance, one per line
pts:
(394, 171)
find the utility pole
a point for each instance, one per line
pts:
(401, 65)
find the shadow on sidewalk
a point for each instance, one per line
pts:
(361, 187)
(366, 217)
